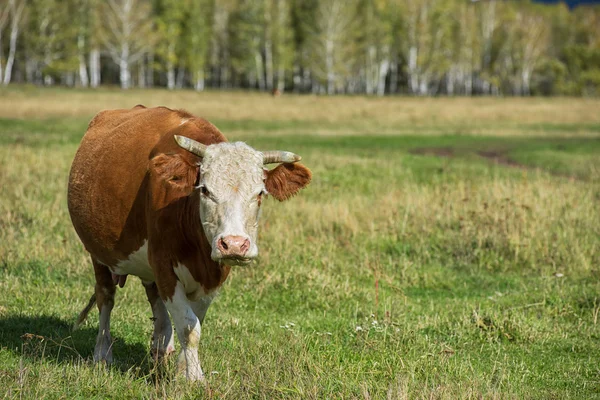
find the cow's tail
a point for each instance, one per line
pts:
(84, 313)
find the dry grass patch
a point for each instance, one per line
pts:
(482, 116)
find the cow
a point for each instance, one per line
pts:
(160, 194)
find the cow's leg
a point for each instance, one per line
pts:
(188, 330)
(105, 299)
(162, 337)
(201, 306)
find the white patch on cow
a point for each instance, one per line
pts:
(194, 291)
(183, 121)
(232, 174)
(188, 330)
(136, 264)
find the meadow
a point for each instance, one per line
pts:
(445, 249)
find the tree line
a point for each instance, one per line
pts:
(420, 47)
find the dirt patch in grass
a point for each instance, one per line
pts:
(494, 155)
(500, 157)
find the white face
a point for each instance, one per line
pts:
(231, 188)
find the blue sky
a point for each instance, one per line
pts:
(571, 3)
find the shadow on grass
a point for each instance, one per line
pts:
(51, 339)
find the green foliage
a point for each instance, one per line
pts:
(197, 28)
(169, 23)
(422, 47)
(246, 27)
(49, 36)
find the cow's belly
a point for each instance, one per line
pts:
(136, 264)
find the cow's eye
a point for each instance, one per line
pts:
(260, 196)
(204, 190)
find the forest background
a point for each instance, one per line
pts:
(420, 47)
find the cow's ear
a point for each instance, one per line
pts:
(171, 178)
(286, 180)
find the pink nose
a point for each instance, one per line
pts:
(233, 246)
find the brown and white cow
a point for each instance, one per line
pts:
(160, 194)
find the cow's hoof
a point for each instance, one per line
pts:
(103, 350)
(192, 374)
(105, 358)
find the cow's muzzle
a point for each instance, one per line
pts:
(234, 249)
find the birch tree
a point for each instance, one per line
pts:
(465, 49)
(331, 42)
(426, 28)
(85, 29)
(377, 25)
(15, 10)
(4, 12)
(127, 33)
(282, 39)
(197, 33)
(531, 46)
(220, 55)
(170, 23)
(246, 33)
(50, 42)
(489, 23)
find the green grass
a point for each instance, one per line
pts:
(412, 267)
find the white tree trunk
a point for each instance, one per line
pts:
(16, 10)
(199, 84)
(94, 68)
(383, 71)
(296, 78)
(268, 48)
(260, 73)
(69, 79)
(329, 47)
(170, 76)
(3, 20)
(142, 73)
(1, 56)
(30, 67)
(369, 70)
(269, 64)
(11, 54)
(469, 83)
(170, 66)
(83, 75)
(525, 79)
(412, 70)
(423, 89)
(150, 74)
(450, 81)
(124, 75)
(180, 77)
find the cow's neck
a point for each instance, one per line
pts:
(181, 240)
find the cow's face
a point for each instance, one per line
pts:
(232, 183)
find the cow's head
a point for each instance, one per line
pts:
(232, 182)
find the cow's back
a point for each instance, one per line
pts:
(108, 179)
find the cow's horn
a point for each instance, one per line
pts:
(191, 145)
(270, 157)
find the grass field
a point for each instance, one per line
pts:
(446, 248)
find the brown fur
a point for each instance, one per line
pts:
(285, 180)
(171, 178)
(131, 182)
